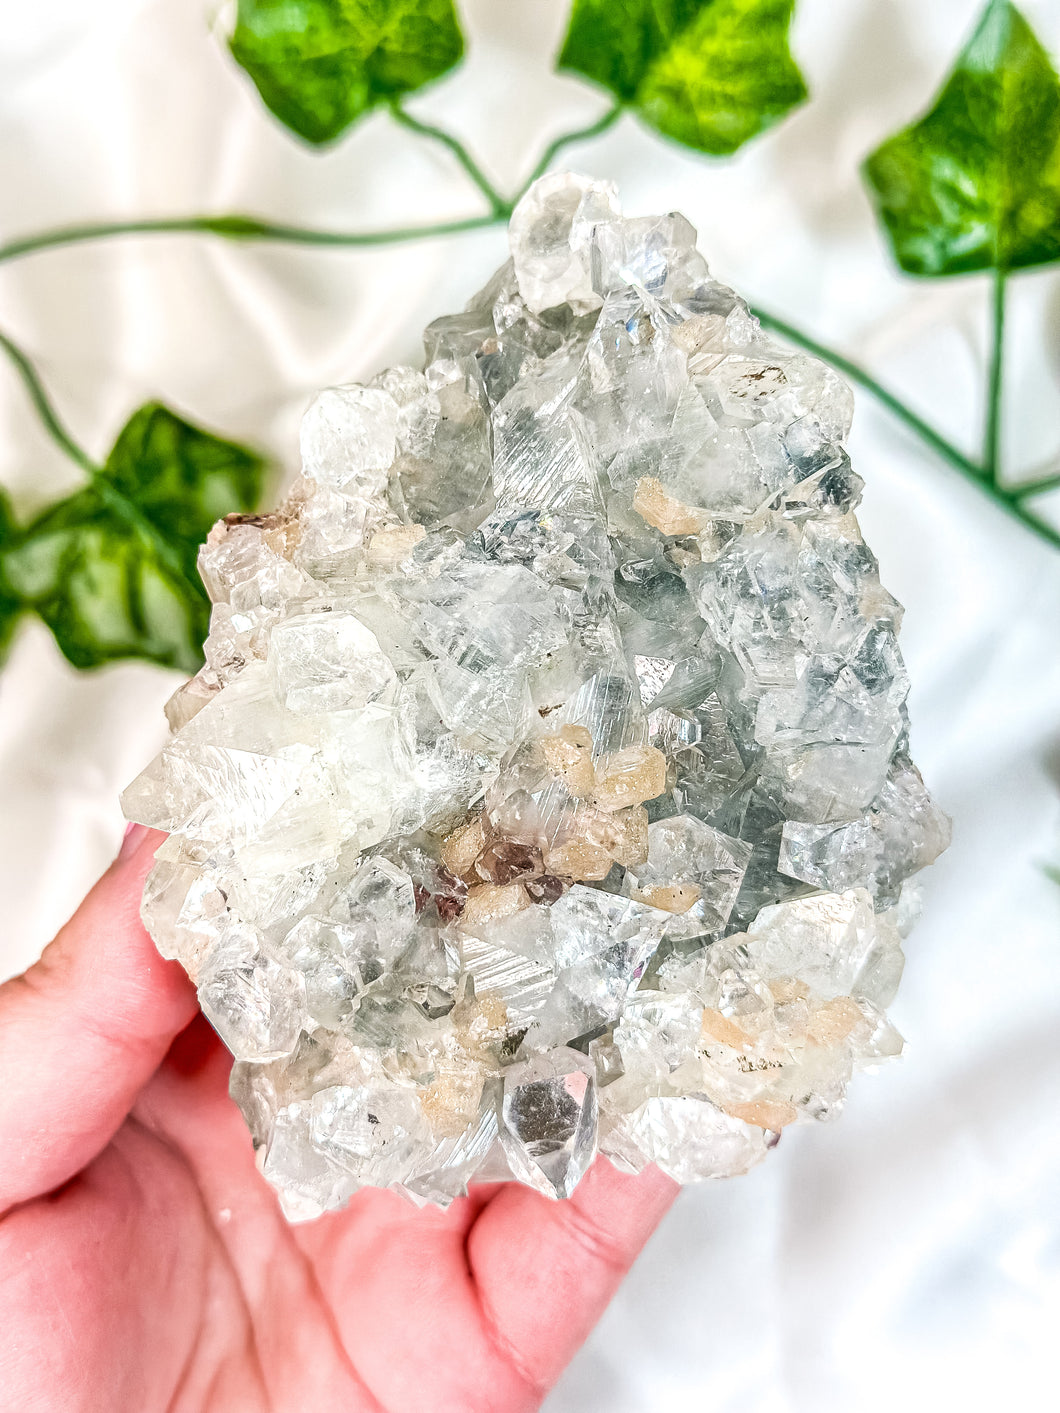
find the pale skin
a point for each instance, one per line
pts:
(145, 1265)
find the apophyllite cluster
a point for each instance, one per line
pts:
(547, 791)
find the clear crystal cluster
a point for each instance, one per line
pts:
(547, 790)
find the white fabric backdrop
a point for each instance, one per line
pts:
(910, 1255)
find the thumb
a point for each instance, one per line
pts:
(544, 1271)
(83, 1030)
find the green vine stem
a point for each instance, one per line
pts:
(1008, 499)
(500, 206)
(115, 499)
(864, 379)
(1037, 487)
(236, 227)
(44, 409)
(995, 381)
(567, 139)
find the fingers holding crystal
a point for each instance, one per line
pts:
(83, 1030)
(545, 1270)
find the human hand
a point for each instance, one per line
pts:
(146, 1265)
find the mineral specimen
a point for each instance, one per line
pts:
(547, 790)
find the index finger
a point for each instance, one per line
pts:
(83, 1030)
(545, 1270)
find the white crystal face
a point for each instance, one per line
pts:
(547, 791)
(330, 661)
(349, 437)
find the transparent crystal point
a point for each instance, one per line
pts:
(324, 662)
(692, 870)
(443, 1172)
(255, 1003)
(308, 1181)
(550, 233)
(349, 437)
(549, 1121)
(370, 1131)
(687, 1136)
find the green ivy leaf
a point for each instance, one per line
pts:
(10, 604)
(710, 73)
(112, 569)
(975, 183)
(320, 64)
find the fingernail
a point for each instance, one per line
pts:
(134, 835)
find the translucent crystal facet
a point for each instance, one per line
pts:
(256, 1004)
(548, 1120)
(546, 790)
(328, 662)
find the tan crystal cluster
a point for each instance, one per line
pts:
(546, 791)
